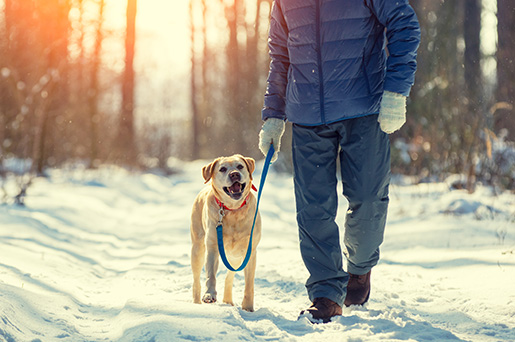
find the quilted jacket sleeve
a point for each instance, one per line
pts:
(403, 34)
(274, 103)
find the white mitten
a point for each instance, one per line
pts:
(271, 132)
(392, 114)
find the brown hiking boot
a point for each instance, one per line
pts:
(358, 289)
(322, 309)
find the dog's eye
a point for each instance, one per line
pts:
(223, 169)
(239, 167)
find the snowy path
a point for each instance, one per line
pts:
(104, 256)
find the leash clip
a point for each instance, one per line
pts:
(221, 214)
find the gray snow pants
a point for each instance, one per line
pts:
(365, 173)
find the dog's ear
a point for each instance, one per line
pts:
(207, 171)
(251, 165)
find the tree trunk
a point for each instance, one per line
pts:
(94, 89)
(505, 117)
(54, 18)
(234, 94)
(475, 112)
(126, 137)
(195, 115)
(472, 57)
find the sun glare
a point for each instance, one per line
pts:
(161, 25)
(162, 32)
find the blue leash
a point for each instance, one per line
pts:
(219, 232)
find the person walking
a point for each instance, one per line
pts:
(340, 72)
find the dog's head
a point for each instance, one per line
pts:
(231, 176)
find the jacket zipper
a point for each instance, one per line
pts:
(319, 55)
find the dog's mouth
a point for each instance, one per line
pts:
(235, 191)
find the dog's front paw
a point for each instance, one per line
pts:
(248, 308)
(247, 305)
(209, 298)
(230, 302)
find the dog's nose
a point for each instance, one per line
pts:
(235, 176)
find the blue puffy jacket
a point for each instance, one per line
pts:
(328, 59)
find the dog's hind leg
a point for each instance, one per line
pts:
(248, 296)
(229, 279)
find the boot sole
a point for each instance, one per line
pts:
(313, 320)
(366, 300)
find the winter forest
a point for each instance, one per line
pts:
(87, 81)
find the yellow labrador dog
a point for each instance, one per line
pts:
(230, 189)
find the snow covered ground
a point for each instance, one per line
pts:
(104, 256)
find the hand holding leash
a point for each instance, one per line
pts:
(271, 133)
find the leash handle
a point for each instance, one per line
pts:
(219, 229)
